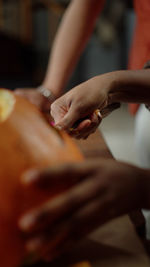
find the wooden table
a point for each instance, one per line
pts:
(115, 244)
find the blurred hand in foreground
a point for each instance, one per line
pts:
(98, 191)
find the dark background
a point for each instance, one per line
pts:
(27, 30)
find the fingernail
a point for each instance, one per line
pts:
(26, 222)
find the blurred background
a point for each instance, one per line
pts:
(27, 31)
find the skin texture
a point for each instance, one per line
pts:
(70, 41)
(66, 53)
(97, 194)
(79, 103)
(99, 93)
(86, 127)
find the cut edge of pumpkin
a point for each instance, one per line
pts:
(7, 102)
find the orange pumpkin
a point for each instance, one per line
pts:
(26, 141)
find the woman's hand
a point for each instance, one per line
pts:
(35, 97)
(75, 111)
(99, 191)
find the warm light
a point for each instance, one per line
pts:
(7, 102)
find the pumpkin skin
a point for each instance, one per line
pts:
(26, 141)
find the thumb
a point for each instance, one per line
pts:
(68, 120)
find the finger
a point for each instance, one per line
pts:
(81, 128)
(88, 130)
(81, 223)
(92, 120)
(68, 120)
(84, 137)
(61, 206)
(91, 215)
(49, 243)
(83, 125)
(67, 173)
(71, 114)
(84, 134)
(58, 111)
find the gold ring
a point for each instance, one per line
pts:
(98, 114)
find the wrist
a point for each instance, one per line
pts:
(115, 89)
(47, 93)
(55, 87)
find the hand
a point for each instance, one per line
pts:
(75, 111)
(35, 98)
(99, 191)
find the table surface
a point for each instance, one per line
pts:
(114, 244)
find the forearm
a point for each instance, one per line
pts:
(76, 27)
(130, 86)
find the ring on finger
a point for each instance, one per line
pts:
(98, 114)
